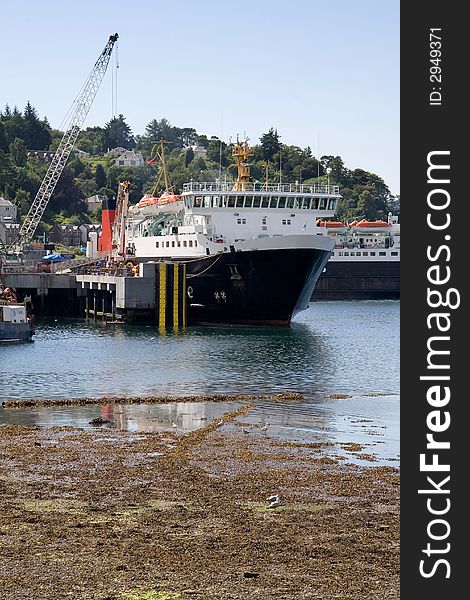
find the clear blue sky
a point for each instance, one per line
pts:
(312, 69)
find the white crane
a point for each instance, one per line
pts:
(82, 106)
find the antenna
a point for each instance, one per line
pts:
(220, 147)
(318, 155)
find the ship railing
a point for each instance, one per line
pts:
(257, 186)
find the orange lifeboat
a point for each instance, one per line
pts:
(364, 223)
(337, 226)
(365, 226)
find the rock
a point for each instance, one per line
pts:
(98, 422)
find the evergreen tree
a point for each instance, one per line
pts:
(117, 133)
(100, 176)
(188, 156)
(18, 152)
(270, 144)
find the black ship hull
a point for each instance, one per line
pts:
(266, 287)
(368, 280)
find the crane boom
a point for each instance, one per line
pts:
(119, 227)
(82, 107)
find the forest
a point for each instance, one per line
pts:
(364, 194)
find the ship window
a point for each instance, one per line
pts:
(274, 200)
(231, 202)
(179, 244)
(248, 201)
(241, 221)
(290, 203)
(306, 203)
(314, 204)
(157, 244)
(322, 203)
(265, 202)
(331, 204)
(382, 254)
(190, 243)
(198, 201)
(264, 221)
(207, 201)
(372, 253)
(394, 253)
(365, 254)
(173, 244)
(168, 244)
(185, 243)
(286, 221)
(256, 202)
(240, 201)
(282, 203)
(215, 201)
(346, 254)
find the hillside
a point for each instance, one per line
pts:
(190, 155)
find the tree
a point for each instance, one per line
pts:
(270, 144)
(188, 156)
(100, 176)
(3, 138)
(118, 133)
(92, 140)
(36, 132)
(67, 197)
(18, 152)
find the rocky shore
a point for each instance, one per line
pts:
(103, 514)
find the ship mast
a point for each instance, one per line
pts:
(241, 151)
(159, 153)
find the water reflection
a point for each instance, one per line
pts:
(334, 348)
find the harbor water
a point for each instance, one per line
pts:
(342, 356)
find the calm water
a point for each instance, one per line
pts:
(333, 348)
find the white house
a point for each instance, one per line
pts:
(199, 151)
(8, 211)
(116, 151)
(129, 158)
(94, 202)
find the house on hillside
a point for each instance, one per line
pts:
(68, 235)
(115, 152)
(199, 151)
(80, 153)
(88, 228)
(129, 158)
(8, 211)
(94, 202)
(8, 232)
(42, 155)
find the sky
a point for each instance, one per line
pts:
(324, 74)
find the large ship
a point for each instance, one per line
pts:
(253, 251)
(365, 262)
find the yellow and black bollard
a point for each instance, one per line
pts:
(171, 295)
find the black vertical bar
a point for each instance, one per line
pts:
(434, 236)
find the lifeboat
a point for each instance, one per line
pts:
(166, 203)
(365, 226)
(333, 226)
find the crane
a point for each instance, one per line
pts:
(119, 224)
(82, 106)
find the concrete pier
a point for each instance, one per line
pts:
(156, 293)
